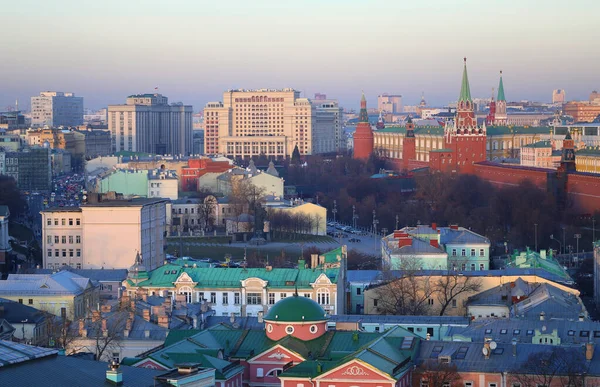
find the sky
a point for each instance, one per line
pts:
(193, 50)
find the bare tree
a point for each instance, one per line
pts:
(450, 286)
(206, 211)
(59, 333)
(244, 197)
(565, 367)
(404, 292)
(435, 373)
(106, 334)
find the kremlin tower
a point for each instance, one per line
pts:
(409, 149)
(489, 120)
(500, 117)
(363, 136)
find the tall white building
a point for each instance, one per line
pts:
(147, 123)
(105, 234)
(270, 122)
(56, 108)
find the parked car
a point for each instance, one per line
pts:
(354, 240)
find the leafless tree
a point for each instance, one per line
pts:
(59, 333)
(404, 292)
(564, 367)
(435, 373)
(451, 285)
(206, 211)
(244, 197)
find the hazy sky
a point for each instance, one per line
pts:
(193, 50)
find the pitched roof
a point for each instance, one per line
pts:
(15, 312)
(465, 90)
(62, 282)
(501, 96)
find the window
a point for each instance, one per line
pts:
(49, 222)
(375, 302)
(20, 300)
(78, 252)
(56, 239)
(454, 303)
(63, 222)
(430, 301)
(55, 221)
(70, 252)
(77, 222)
(271, 298)
(571, 333)
(259, 372)
(472, 267)
(187, 292)
(584, 334)
(307, 295)
(236, 298)
(491, 384)
(468, 384)
(282, 295)
(78, 239)
(56, 253)
(472, 252)
(313, 329)
(463, 253)
(358, 291)
(516, 332)
(213, 298)
(481, 266)
(323, 296)
(63, 312)
(481, 252)
(275, 372)
(289, 329)
(454, 252)
(64, 239)
(31, 301)
(49, 239)
(64, 252)
(200, 294)
(70, 221)
(78, 265)
(253, 299)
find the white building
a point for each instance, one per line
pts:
(4, 240)
(105, 235)
(162, 184)
(55, 108)
(270, 122)
(147, 123)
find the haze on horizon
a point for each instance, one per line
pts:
(195, 50)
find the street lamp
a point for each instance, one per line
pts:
(375, 223)
(334, 211)
(536, 246)
(564, 243)
(593, 231)
(554, 239)
(577, 238)
(397, 218)
(354, 217)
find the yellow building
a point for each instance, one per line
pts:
(64, 293)
(315, 215)
(69, 140)
(588, 160)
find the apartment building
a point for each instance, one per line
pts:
(56, 108)
(270, 122)
(31, 168)
(105, 234)
(148, 123)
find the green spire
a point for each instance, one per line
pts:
(364, 116)
(501, 89)
(465, 90)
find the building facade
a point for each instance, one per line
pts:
(5, 247)
(558, 96)
(148, 123)
(389, 103)
(105, 234)
(31, 168)
(363, 135)
(56, 108)
(588, 160)
(582, 111)
(69, 140)
(270, 122)
(540, 155)
(97, 142)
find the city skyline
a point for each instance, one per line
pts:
(194, 51)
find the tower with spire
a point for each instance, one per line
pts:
(380, 121)
(489, 120)
(409, 145)
(464, 138)
(567, 159)
(363, 136)
(500, 118)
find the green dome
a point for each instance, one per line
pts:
(296, 309)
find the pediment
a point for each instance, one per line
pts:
(184, 278)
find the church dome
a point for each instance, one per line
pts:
(296, 309)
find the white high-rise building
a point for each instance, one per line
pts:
(55, 108)
(147, 123)
(270, 122)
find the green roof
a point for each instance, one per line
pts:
(443, 150)
(332, 256)
(539, 144)
(216, 277)
(422, 130)
(503, 130)
(465, 90)
(589, 151)
(501, 90)
(296, 309)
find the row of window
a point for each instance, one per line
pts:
(323, 297)
(463, 252)
(63, 239)
(63, 221)
(58, 265)
(64, 252)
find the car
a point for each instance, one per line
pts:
(354, 240)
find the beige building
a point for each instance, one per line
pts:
(105, 235)
(63, 293)
(56, 108)
(314, 213)
(558, 96)
(69, 140)
(389, 103)
(375, 297)
(270, 122)
(541, 155)
(147, 123)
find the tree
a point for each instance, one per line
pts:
(59, 333)
(565, 367)
(244, 197)
(404, 292)
(206, 211)
(452, 285)
(10, 196)
(436, 373)
(296, 155)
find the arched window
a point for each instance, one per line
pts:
(275, 372)
(187, 291)
(323, 296)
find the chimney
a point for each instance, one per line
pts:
(158, 310)
(542, 316)
(146, 333)
(405, 240)
(487, 346)
(589, 351)
(543, 254)
(514, 347)
(163, 321)
(434, 226)
(105, 308)
(314, 258)
(581, 316)
(95, 315)
(434, 243)
(232, 317)
(128, 324)
(104, 325)
(113, 374)
(301, 264)
(268, 268)
(260, 317)
(146, 314)
(82, 330)
(454, 227)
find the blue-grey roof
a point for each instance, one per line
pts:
(468, 357)
(15, 312)
(363, 275)
(570, 331)
(71, 371)
(101, 275)
(402, 320)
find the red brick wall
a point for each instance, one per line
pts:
(506, 175)
(583, 192)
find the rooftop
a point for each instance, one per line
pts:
(62, 282)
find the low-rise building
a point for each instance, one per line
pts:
(63, 294)
(5, 247)
(31, 168)
(105, 234)
(588, 159)
(109, 280)
(97, 142)
(238, 291)
(308, 218)
(153, 183)
(30, 324)
(540, 154)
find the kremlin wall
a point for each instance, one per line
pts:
(463, 150)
